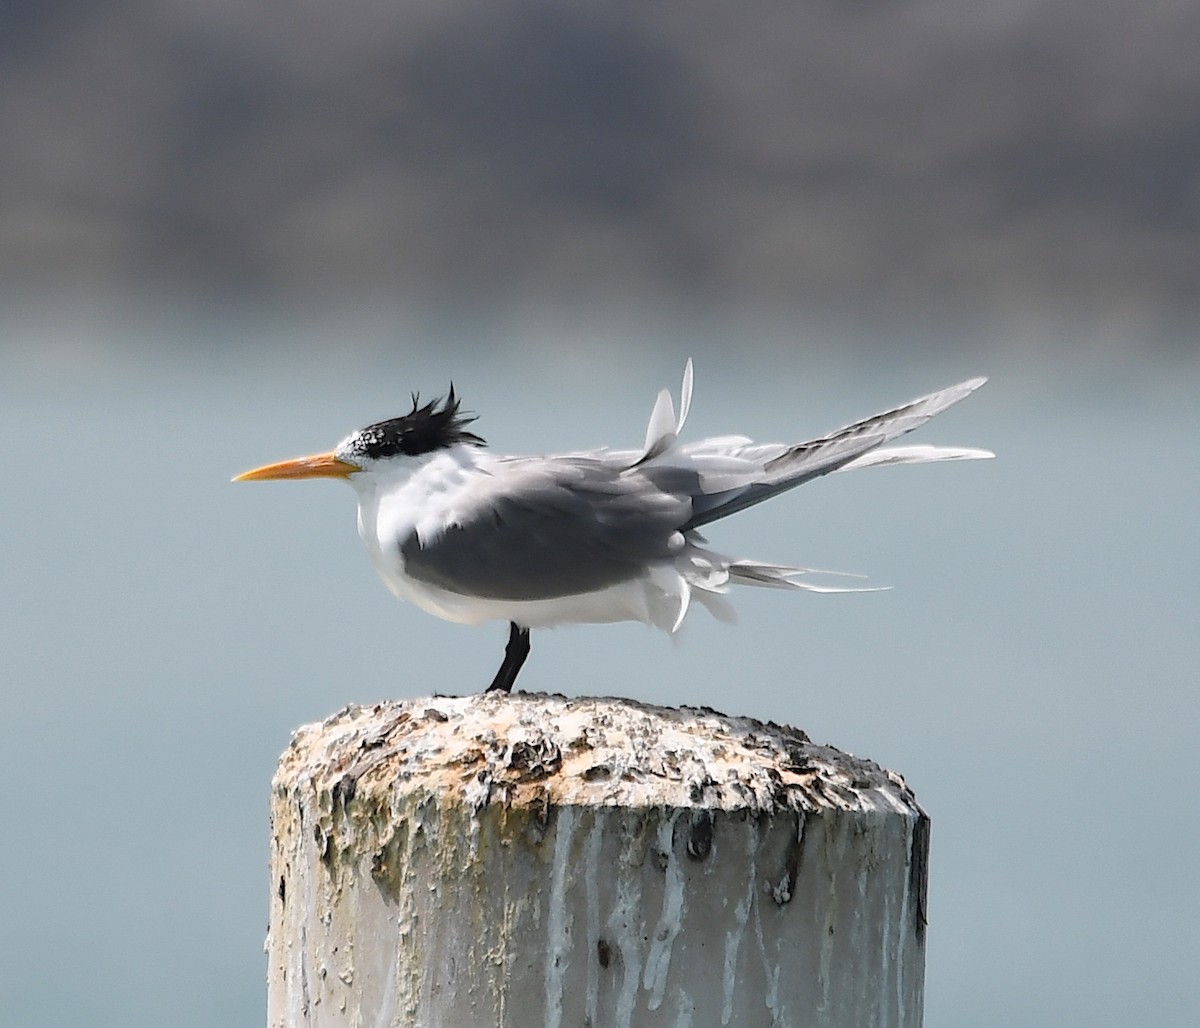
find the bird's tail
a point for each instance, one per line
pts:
(699, 575)
(860, 445)
(725, 475)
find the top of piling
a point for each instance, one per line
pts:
(599, 751)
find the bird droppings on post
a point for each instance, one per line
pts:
(628, 863)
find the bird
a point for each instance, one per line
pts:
(593, 536)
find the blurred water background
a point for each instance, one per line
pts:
(232, 234)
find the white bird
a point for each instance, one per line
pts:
(596, 536)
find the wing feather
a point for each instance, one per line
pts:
(797, 464)
(548, 527)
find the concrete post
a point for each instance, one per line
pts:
(531, 860)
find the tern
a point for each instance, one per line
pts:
(595, 536)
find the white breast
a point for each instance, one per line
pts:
(419, 496)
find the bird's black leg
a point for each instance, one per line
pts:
(514, 656)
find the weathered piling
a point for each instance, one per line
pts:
(540, 860)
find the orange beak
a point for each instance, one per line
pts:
(319, 465)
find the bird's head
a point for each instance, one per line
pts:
(395, 443)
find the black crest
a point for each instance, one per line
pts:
(435, 426)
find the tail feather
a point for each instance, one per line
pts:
(663, 429)
(847, 447)
(783, 576)
(704, 577)
(915, 455)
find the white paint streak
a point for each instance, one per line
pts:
(771, 965)
(558, 949)
(670, 920)
(626, 927)
(903, 933)
(300, 954)
(827, 929)
(388, 1009)
(733, 937)
(887, 926)
(591, 876)
(684, 1006)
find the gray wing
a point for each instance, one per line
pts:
(786, 467)
(544, 527)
